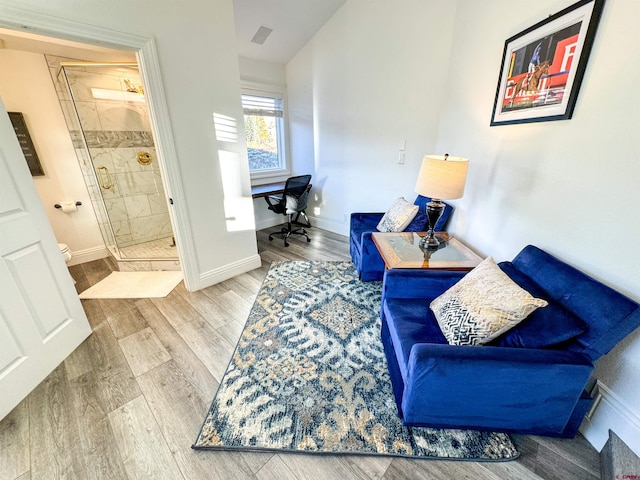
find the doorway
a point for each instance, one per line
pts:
(146, 239)
(109, 121)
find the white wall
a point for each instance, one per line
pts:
(269, 73)
(199, 68)
(571, 187)
(26, 86)
(370, 79)
(427, 72)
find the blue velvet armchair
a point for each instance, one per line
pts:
(365, 255)
(532, 379)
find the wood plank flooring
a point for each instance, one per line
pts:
(128, 403)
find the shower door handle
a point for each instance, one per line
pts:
(104, 177)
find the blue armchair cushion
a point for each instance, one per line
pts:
(609, 315)
(545, 327)
(420, 222)
(482, 306)
(398, 217)
(415, 324)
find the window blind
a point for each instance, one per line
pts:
(263, 106)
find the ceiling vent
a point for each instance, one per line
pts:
(261, 35)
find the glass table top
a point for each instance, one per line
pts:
(402, 250)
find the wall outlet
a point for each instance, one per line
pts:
(401, 157)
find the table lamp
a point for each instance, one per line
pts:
(441, 177)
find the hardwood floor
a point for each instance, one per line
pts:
(128, 403)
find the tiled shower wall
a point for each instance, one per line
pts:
(124, 192)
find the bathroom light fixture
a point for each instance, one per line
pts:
(103, 94)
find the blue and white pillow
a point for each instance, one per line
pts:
(398, 217)
(483, 305)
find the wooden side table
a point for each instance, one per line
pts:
(401, 250)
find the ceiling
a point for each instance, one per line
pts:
(293, 22)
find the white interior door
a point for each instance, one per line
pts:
(41, 317)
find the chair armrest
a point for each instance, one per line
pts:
(368, 247)
(493, 387)
(273, 198)
(406, 283)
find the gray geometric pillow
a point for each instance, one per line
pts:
(398, 217)
(482, 306)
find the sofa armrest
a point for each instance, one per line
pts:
(494, 387)
(364, 221)
(510, 357)
(368, 247)
(406, 283)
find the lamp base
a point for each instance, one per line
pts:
(429, 243)
(434, 211)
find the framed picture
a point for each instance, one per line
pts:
(28, 149)
(542, 66)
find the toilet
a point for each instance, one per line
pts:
(67, 255)
(65, 251)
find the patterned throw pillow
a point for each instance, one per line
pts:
(482, 306)
(398, 216)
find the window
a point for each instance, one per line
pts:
(264, 127)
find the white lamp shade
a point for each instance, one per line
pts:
(442, 177)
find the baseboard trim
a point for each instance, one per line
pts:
(228, 271)
(611, 413)
(270, 222)
(330, 225)
(88, 255)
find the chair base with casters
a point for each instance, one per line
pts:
(306, 223)
(287, 231)
(292, 202)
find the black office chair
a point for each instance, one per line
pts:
(292, 202)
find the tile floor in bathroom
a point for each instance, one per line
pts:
(158, 254)
(163, 248)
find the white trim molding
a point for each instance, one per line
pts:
(611, 413)
(329, 225)
(341, 228)
(88, 255)
(270, 222)
(163, 138)
(228, 271)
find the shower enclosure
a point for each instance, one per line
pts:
(107, 116)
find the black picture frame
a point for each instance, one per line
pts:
(543, 66)
(28, 149)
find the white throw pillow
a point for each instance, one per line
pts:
(398, 217)
(482, 306)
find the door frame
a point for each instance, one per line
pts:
(22, 20)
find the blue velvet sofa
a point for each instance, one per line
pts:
(532, 379)
(365, 255)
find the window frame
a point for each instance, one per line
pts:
(271, 91)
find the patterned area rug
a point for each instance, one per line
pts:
(309, 374)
